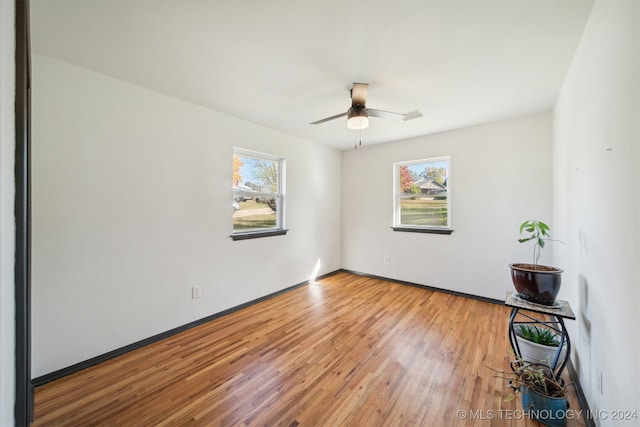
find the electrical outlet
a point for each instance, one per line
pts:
(386, 259)
(196, 292)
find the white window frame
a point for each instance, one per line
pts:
(398, 196)
(279, 195)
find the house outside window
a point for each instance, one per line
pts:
(258, 195)
(421, 200)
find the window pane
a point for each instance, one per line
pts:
(422, 193)
(255, 213)
(427, 211)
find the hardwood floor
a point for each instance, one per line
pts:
(346, 351)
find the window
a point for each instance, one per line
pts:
(258, 195)
(421, 196)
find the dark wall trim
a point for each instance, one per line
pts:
(23, 409)
(575, 380)
(423, 230)
(582, 399)
(44, 379)
(131, 347)
(258, 234)
(431, 288)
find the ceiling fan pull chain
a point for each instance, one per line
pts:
(357, 139)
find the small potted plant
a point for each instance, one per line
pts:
(536, 283)
(539, 344)
(543, 395)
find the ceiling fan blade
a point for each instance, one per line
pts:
(359, 94)
(412, 115)
(381, 114)
(337, 116)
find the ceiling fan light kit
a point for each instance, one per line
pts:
(357, 119)
(358, 114)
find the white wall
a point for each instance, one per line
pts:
(7, 221)
(500, 176)
(597, 203)
(132, 207)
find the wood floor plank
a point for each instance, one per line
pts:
(346, 351)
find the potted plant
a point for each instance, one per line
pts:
(542, 394)
(536, 283)
(539, 345)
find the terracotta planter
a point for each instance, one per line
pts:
(539, 284)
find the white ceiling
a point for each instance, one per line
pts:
(286, 63)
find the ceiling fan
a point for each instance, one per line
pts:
(358, 115)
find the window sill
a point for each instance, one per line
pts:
(258, 234)
(424, 230)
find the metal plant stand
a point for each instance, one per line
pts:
(524, 312)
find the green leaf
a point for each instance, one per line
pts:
(523, 225)
(541, 243)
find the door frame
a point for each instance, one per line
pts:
(23, 410)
